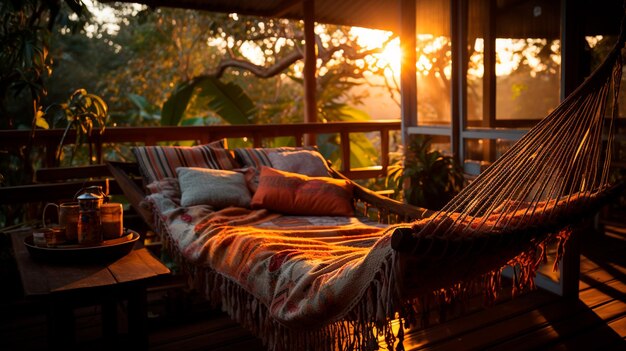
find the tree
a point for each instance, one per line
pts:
(26, 64)
(249, 72)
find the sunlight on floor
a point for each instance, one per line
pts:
(413, 337)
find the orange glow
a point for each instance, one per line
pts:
(390, 56)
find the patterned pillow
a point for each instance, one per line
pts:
(306, 162)
(257, 157)
(214, 187)
(296, 194)
(158, 162)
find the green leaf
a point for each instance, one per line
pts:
(147, 110)
(362, 152)
(193, 121)
(174, 107)
(228, 100)
(349, 113)
(140, 101)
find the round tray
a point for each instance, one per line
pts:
(109, 249)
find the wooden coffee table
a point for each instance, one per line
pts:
(65, 286)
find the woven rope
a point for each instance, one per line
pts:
(558, 171)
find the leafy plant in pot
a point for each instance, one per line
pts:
(86, 113)
(428, 177)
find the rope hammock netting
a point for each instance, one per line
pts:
(554, 176)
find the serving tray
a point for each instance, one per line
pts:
(108, 249)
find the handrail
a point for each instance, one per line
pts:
(255, 134)
(203, 134)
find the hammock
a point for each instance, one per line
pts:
(554, 176)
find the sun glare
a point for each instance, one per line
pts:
(389, 58)
(107, 18)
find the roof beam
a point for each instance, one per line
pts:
(283, 8)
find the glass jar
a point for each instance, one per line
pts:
(112, 220)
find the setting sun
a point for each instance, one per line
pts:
(389, 58)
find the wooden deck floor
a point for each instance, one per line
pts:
(536, 321)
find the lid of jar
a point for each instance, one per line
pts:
(89, 196)
(90, 193)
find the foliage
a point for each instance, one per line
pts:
(147, 111)
(83, 112)
(227, 100)
(428, 177)
(24, 53)
(195, 94)
(165, 50)
(158, 50)
(26, 64)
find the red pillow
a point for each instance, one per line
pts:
(297, 194)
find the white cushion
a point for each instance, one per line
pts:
(216, 188)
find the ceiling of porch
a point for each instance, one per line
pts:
(515, 18)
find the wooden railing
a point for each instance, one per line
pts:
(53, 182)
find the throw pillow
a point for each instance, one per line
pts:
(168, 187)
(250, 174)
(158, 162)
(297, 194)
(213, 187)
(257, 157)
(307, 162)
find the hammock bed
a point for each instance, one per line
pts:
(548, 181)
(536, 192)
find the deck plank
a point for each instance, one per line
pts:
(422, 339)
(583, 320)
(605, 337)
(536, 320)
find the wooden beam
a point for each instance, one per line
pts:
(310, 68)
(13, 139)
(408, 72)
(571, 76)
(572, 48)
(489, 78)
(458, 36)
(283, 8)
(50, 192)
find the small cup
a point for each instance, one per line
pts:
(49, 237)
(40, 236)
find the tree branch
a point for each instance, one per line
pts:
(257, 70)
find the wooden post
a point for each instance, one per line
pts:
(458, 36)
(408, 78)
(572, 39)
(310, 68)
(570, 262)
(489, 78)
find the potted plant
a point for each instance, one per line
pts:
(428, 178)
(85, 113)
